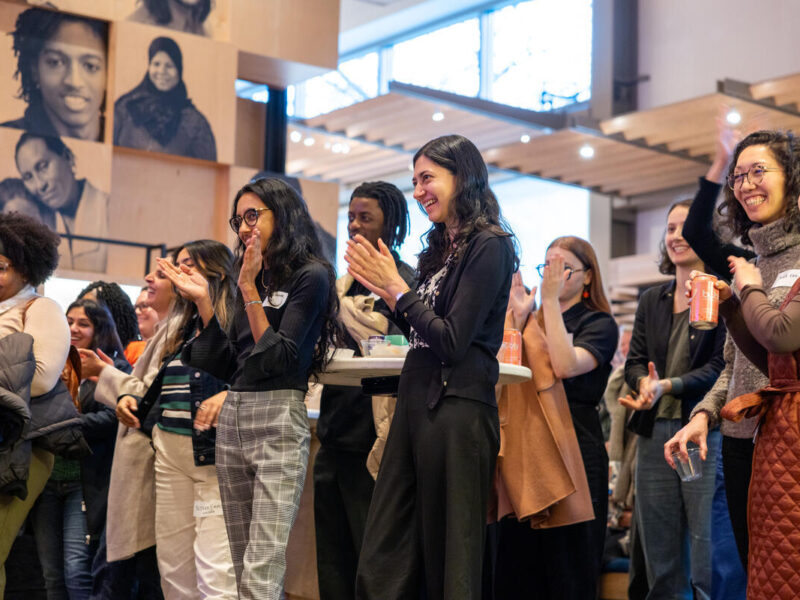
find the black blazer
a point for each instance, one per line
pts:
(465, 328)
(649, 342)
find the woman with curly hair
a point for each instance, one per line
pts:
(157, 114)
(762, 184)
(28, 323)
(70, 515)
(183, 15)
(61, 66)
(283, 323)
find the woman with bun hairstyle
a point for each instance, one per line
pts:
(278, 335)
(426, 525)
(157, 114)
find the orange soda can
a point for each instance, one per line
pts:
(511, 350)
(703, 311)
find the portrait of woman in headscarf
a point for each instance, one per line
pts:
(157, 115)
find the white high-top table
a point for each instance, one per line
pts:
(350, 371)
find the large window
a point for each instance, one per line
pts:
(541, 53)
(445, 59)
(539, 56)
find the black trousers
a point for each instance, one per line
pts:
(427, 522)
(342, 492)
(737, 466)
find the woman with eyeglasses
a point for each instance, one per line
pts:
(581, 338)
(278, 335)
(426, 524)
(761, 189)
(671, 367)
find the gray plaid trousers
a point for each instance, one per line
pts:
(261, 457)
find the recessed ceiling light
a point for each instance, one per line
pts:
(586, 151)
(437, 116)
(733, 117)
(345, 148)
(336, 148)
(525, 138)
(309, 141)
(295, 136)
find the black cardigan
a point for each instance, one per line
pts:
(464, 329)
(698, 230)
(651, 332)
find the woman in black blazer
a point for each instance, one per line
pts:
(426, 524)
(672, 366)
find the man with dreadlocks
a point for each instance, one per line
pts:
(342, 484)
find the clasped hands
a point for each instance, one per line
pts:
(374, 268)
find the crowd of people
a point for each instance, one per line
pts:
(158, 449)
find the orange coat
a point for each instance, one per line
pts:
(540, 475)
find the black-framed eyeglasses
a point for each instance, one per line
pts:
(754, 176)
(568, 269)
(250, 217)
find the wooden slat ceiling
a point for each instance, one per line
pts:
(635, 153)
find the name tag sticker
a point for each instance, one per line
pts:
(786, 278)
(207, 509)
(374, 296)
(276, 300)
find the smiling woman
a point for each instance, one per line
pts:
(61, 66)
(158, 115)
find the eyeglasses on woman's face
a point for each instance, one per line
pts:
(754, 176)
(569, 270)
(250, 217)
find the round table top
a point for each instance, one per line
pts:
(350, 371)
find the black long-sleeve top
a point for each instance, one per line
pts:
(699, 231)
(651, 331)
(281, 358)
(464, 329)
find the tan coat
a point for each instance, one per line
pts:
(540, 475)
(130, 523)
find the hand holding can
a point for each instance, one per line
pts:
(704, 307)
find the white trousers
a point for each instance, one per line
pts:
(191, 541)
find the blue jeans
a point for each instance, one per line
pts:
(674, 518)
(728, 579)
(59, 525)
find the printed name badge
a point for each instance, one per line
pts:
(787, 278)
(207, 509)
(276, 300)
(374, 296)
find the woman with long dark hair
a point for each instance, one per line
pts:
(157, 114)
(427, 520)
(70, 515)
(61, 66)
(279, 332)
(179, 406)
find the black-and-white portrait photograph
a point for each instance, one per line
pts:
(99, 9)
(174, 93)
(189, 16)
(42, 179)
(56, 68)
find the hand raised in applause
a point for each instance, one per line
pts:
(374, 268)
(521, 302)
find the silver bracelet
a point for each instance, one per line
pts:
(246, 304)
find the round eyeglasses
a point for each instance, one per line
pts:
(754, 176)
(250, 217)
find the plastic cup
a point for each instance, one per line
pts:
(691, 469)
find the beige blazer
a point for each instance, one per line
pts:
(130, 523)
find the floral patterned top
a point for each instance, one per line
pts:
(427, 291)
